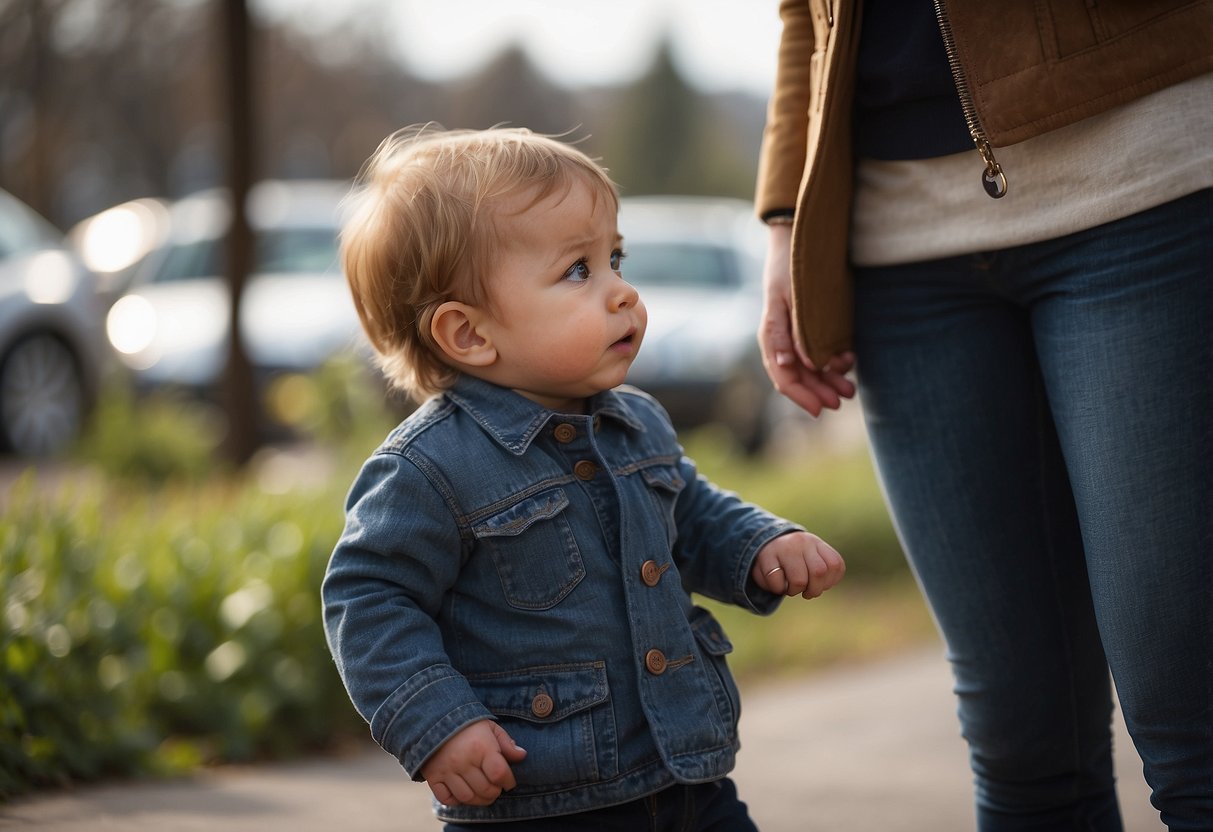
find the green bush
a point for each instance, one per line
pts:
(171, 435)
(155, 630)
(163, 436)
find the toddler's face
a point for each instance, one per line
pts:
(566, 324)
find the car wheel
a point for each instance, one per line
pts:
(42, 396)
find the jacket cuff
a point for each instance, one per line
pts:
(423, 713)
(748, 594)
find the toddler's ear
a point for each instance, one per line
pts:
(456, 329)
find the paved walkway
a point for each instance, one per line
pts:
(868, 748)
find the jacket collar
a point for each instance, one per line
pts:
(514, 420)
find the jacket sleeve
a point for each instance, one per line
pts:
(785, 137)
(719, 536)
(398, 556)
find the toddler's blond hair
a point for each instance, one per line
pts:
(422, 232)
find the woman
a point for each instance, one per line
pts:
(1002, 216)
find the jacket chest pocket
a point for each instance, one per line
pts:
(534, 550)
(664, 483)
(1067, 27)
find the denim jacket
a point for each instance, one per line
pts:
(503, 561)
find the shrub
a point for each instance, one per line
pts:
(162, 436)
(154, 630)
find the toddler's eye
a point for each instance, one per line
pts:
(617, 259)
(578, 272)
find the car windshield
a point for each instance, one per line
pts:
(21, 231)
(680, 266)
(279, 251)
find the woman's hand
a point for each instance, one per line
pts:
(789, 369)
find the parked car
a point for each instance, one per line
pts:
(171, 326)
(697, 263)
(51, 344)
(114, 242)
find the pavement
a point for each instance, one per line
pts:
(871, 747)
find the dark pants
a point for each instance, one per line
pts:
(1042, 422)
(710, 807)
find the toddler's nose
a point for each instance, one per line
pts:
(625, 295)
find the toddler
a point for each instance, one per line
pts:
(509, 605)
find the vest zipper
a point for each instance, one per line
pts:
(992, 178)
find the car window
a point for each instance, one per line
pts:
(189, 261)
(679, 265)
(282, 251)
(19, 231)
(296, 250)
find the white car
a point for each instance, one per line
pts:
(171, 326)
(697, 263)
(52, 350)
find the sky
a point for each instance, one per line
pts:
(721, 45)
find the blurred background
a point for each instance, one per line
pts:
(129, 126)
(171, 485)
(109, 100)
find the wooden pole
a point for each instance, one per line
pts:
(243, 435)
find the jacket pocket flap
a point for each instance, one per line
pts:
(522, 515)
(709, 633)
(542, 694)
(664, 477)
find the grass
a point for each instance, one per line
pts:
(850, 624)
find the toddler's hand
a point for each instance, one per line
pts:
(473, 767)
(798, 563)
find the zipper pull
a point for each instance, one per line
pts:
(992, 178)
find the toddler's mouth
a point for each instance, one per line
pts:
(626, 341)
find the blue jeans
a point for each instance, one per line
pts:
(709, 807)
(1042, 422)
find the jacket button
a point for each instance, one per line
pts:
(650, 573)
(565, 433)
(541, 705)
(654, 662)
(585, 469)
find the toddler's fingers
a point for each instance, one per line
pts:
(460, 790)
(797, 573)
(498, 772)
(768, 574)
(826, 568)
(818, 570)
(836, 566)
(512, 751)
(483, 791)
(443, 794)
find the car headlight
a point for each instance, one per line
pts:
(131, 329)
(49, 278)
(118, 236)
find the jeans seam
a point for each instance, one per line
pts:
(1045, 413)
